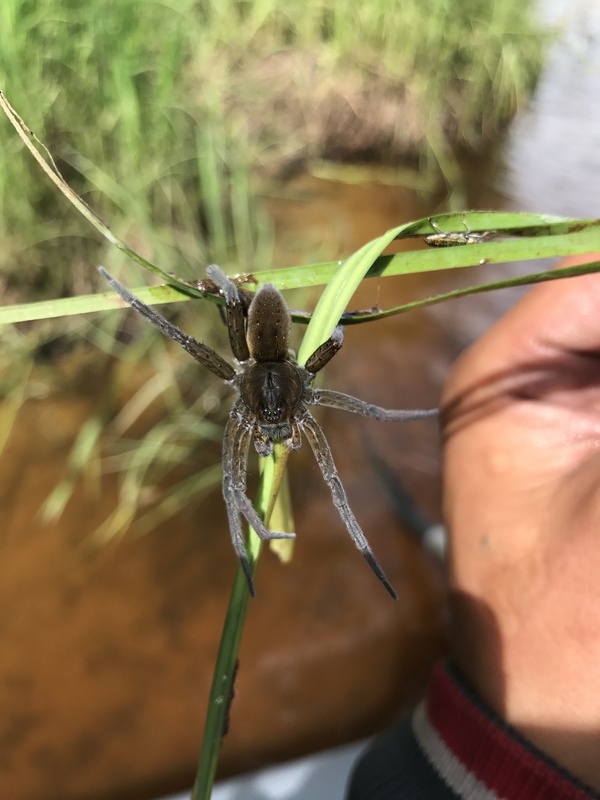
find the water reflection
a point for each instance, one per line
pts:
(552, 156)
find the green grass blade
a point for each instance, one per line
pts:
(85, 304)
(535, 236)
(52, 171)
(522, 280)
(226, 664)
(83, 455)
(12, 402)
(339, 291)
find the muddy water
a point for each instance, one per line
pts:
(105, 657)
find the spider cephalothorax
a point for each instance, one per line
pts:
(274, 395)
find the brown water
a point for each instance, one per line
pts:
(105, 657)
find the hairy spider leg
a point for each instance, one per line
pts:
(205, 355)
(236, 324)
(322, 452)
(347, 402)
(239, 432)
(325, 352)
(236, 443)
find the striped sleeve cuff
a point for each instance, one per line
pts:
(477, 755)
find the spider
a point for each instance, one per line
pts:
(274, 393)
(451, 238)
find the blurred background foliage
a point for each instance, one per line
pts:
(175, 121)
(162, 114)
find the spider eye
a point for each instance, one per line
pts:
(272, 412)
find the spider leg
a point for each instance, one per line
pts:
(347, 402)
(239, 432)
(236, 326)
(294, 441)
(320, 447)
(205, 355)
(325, 352)
(236, 443)
(435, 226)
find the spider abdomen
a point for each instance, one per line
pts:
(269, 325)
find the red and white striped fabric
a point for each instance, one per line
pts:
(479, 757)
(452, 747)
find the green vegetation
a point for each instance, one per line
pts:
(156, 113)
(168, 119)
(519, 237)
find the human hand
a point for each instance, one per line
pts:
(521, 414)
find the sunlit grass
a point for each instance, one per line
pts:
(142, 104)
(138, 103)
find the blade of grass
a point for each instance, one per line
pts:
(339, 291)
(52, 171)
(548, 237)
(523, 280)
(83, 455)
(179, 496)
(12, 403)
(85, 304)
(221, 691)
(282, 519)
(583, 238)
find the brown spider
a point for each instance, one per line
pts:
(274, 394)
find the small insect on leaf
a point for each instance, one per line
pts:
(452, 238)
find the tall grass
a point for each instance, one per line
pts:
(137, 101)
(142, 104)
